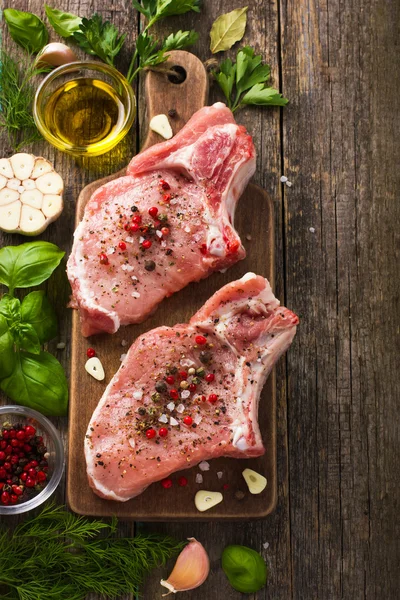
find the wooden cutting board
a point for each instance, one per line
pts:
(254, 221)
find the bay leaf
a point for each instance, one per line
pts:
(228, 29)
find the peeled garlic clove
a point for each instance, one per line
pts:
(255, 482)
(7, 196)
(205, 500)
(6, 168)
(32, 220)
(3, 181)
(42, 166)
(55, 55)
(29, 184)
(94, 367)
(190, 571)
(13, 184)
(22, 165)
(10, 216)
(51, 183)
(33, 198)
(52, 205)
(160, 124)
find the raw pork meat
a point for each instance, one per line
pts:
(189, 393)
(168, 222)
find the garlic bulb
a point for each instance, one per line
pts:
(190, 571)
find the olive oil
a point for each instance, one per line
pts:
(85, 112)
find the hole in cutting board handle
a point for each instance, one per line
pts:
(180, 75)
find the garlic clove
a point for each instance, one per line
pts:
(7, 196)
(22, 165)
(50, 183)
(13, 184)
(94, 367)
(10, 216)
(33, 198)
(55, 55)
(3, 182)
(32, 220)
(42, 166)
(255, 482)
(190, 571)
(6, 168)
(52, 205)
(29, 184)
(160, 124)
(205, 500)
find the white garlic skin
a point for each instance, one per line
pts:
(55, 55)
(190, 571)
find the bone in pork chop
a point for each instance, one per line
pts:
(189, 393)
(168, 222)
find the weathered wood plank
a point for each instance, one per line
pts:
(341, 152)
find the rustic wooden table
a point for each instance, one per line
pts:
(335, 532)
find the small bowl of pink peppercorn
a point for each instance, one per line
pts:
(31, 459)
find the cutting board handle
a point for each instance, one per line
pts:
(166, 93)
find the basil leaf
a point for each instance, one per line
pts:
(28, 264)
(7, 353)
(38, 381)
(228, 29)
(180, 39)
(245, 569)
(65, 24)
(38, 312)
(26, 29)
(264, 96)
(10, 308)
(28, 338)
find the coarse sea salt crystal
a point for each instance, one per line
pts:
(127, 268)
(219, 474)
(174, 201)
(173, 422)
(185, 394)
(289, 183)
(135, 295)
(198, 419)
(265, 545)
(180, 408)
(124, 343)
(187, 362)
(141, 239)
(122, 357)
(199, 478)
(137, 395)
(61, 346)
(110, 250)
(134, 278)
(283, 179)
(132, 442)
(187, 229)
(311, 229)
(158, 233)
(163, 419)
(171, 406)
(204, 466)
(129, 239)
(163, 244)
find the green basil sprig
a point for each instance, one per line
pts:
(26, 29)
(245, 569)
(29, 375)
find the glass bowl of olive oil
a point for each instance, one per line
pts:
(84, 108)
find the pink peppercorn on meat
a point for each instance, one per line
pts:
(168, 222)
(188, 393)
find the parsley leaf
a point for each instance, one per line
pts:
(99, 38)
(180, 40)
(249, 75)
(149, 53)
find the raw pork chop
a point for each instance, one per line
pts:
(188, 393)
(167, 223)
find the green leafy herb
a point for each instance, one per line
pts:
(228, 29)
(38, 381)
(65, 24)
(16, 99)
(26, 29)
(28, 375)
(155, 10)
(28, 264)
(245, 569)
(180, 40)
(58, 554)
(99, 38)
(245, 82)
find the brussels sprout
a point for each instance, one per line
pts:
(245, 569)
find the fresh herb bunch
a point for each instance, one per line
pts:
(245, 81)
(99, 38)
(58, 554)
(16, 99)
(29, 375)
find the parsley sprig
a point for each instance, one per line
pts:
(58, 554)
(245, 81)
(99, 38)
